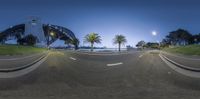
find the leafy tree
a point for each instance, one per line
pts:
(152, 45)
(180, 36)
(196, 38)
(30, 40)
(21, 41)
(119, 39)
(2, 38)
(18, 36)
(92, 38)
(165, 43)
(141, 44)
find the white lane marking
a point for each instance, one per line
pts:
(169, 73)
(141, 56)
(72, 58)
(115, 64)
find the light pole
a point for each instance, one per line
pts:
(154, 33)
(52, 33)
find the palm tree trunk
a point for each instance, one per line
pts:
(92, 44)
(119, 47)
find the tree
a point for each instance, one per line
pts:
(165, 42)
(30, 40)
(180, 37)
(152, 45)
(2, 38)
(75, 42)
(92, 38)
(119, 39)
(21, 41)
(185, 37)
(196, 38)
(18, 36)
(141, 44)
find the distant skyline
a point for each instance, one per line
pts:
(135, 19)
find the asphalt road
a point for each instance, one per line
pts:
(66, 75)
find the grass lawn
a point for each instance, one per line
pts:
(19, 50)
(187, 50)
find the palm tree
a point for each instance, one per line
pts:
(92, 38)
(120, 39)
(75, 42)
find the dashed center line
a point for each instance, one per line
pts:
(141, 55)
(115, 64)
(72, 58)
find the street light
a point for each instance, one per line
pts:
(52, 33)
(154, 33)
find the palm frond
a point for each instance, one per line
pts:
(119, 39)
(92, 38)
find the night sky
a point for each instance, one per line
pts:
(135, 19)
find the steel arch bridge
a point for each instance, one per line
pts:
(59, 32)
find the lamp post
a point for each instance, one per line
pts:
(52, 33)
(154, 33)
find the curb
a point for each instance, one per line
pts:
(196, 59)
(180, 65)
(13, 59)
(23, 67)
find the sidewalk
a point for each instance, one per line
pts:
(186, 60)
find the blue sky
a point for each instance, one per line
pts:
(135, 19)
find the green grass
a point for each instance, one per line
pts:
(187, 50)
(19, 50)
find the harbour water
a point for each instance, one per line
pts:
(105, 50)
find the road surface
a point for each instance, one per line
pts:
(66, 75)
